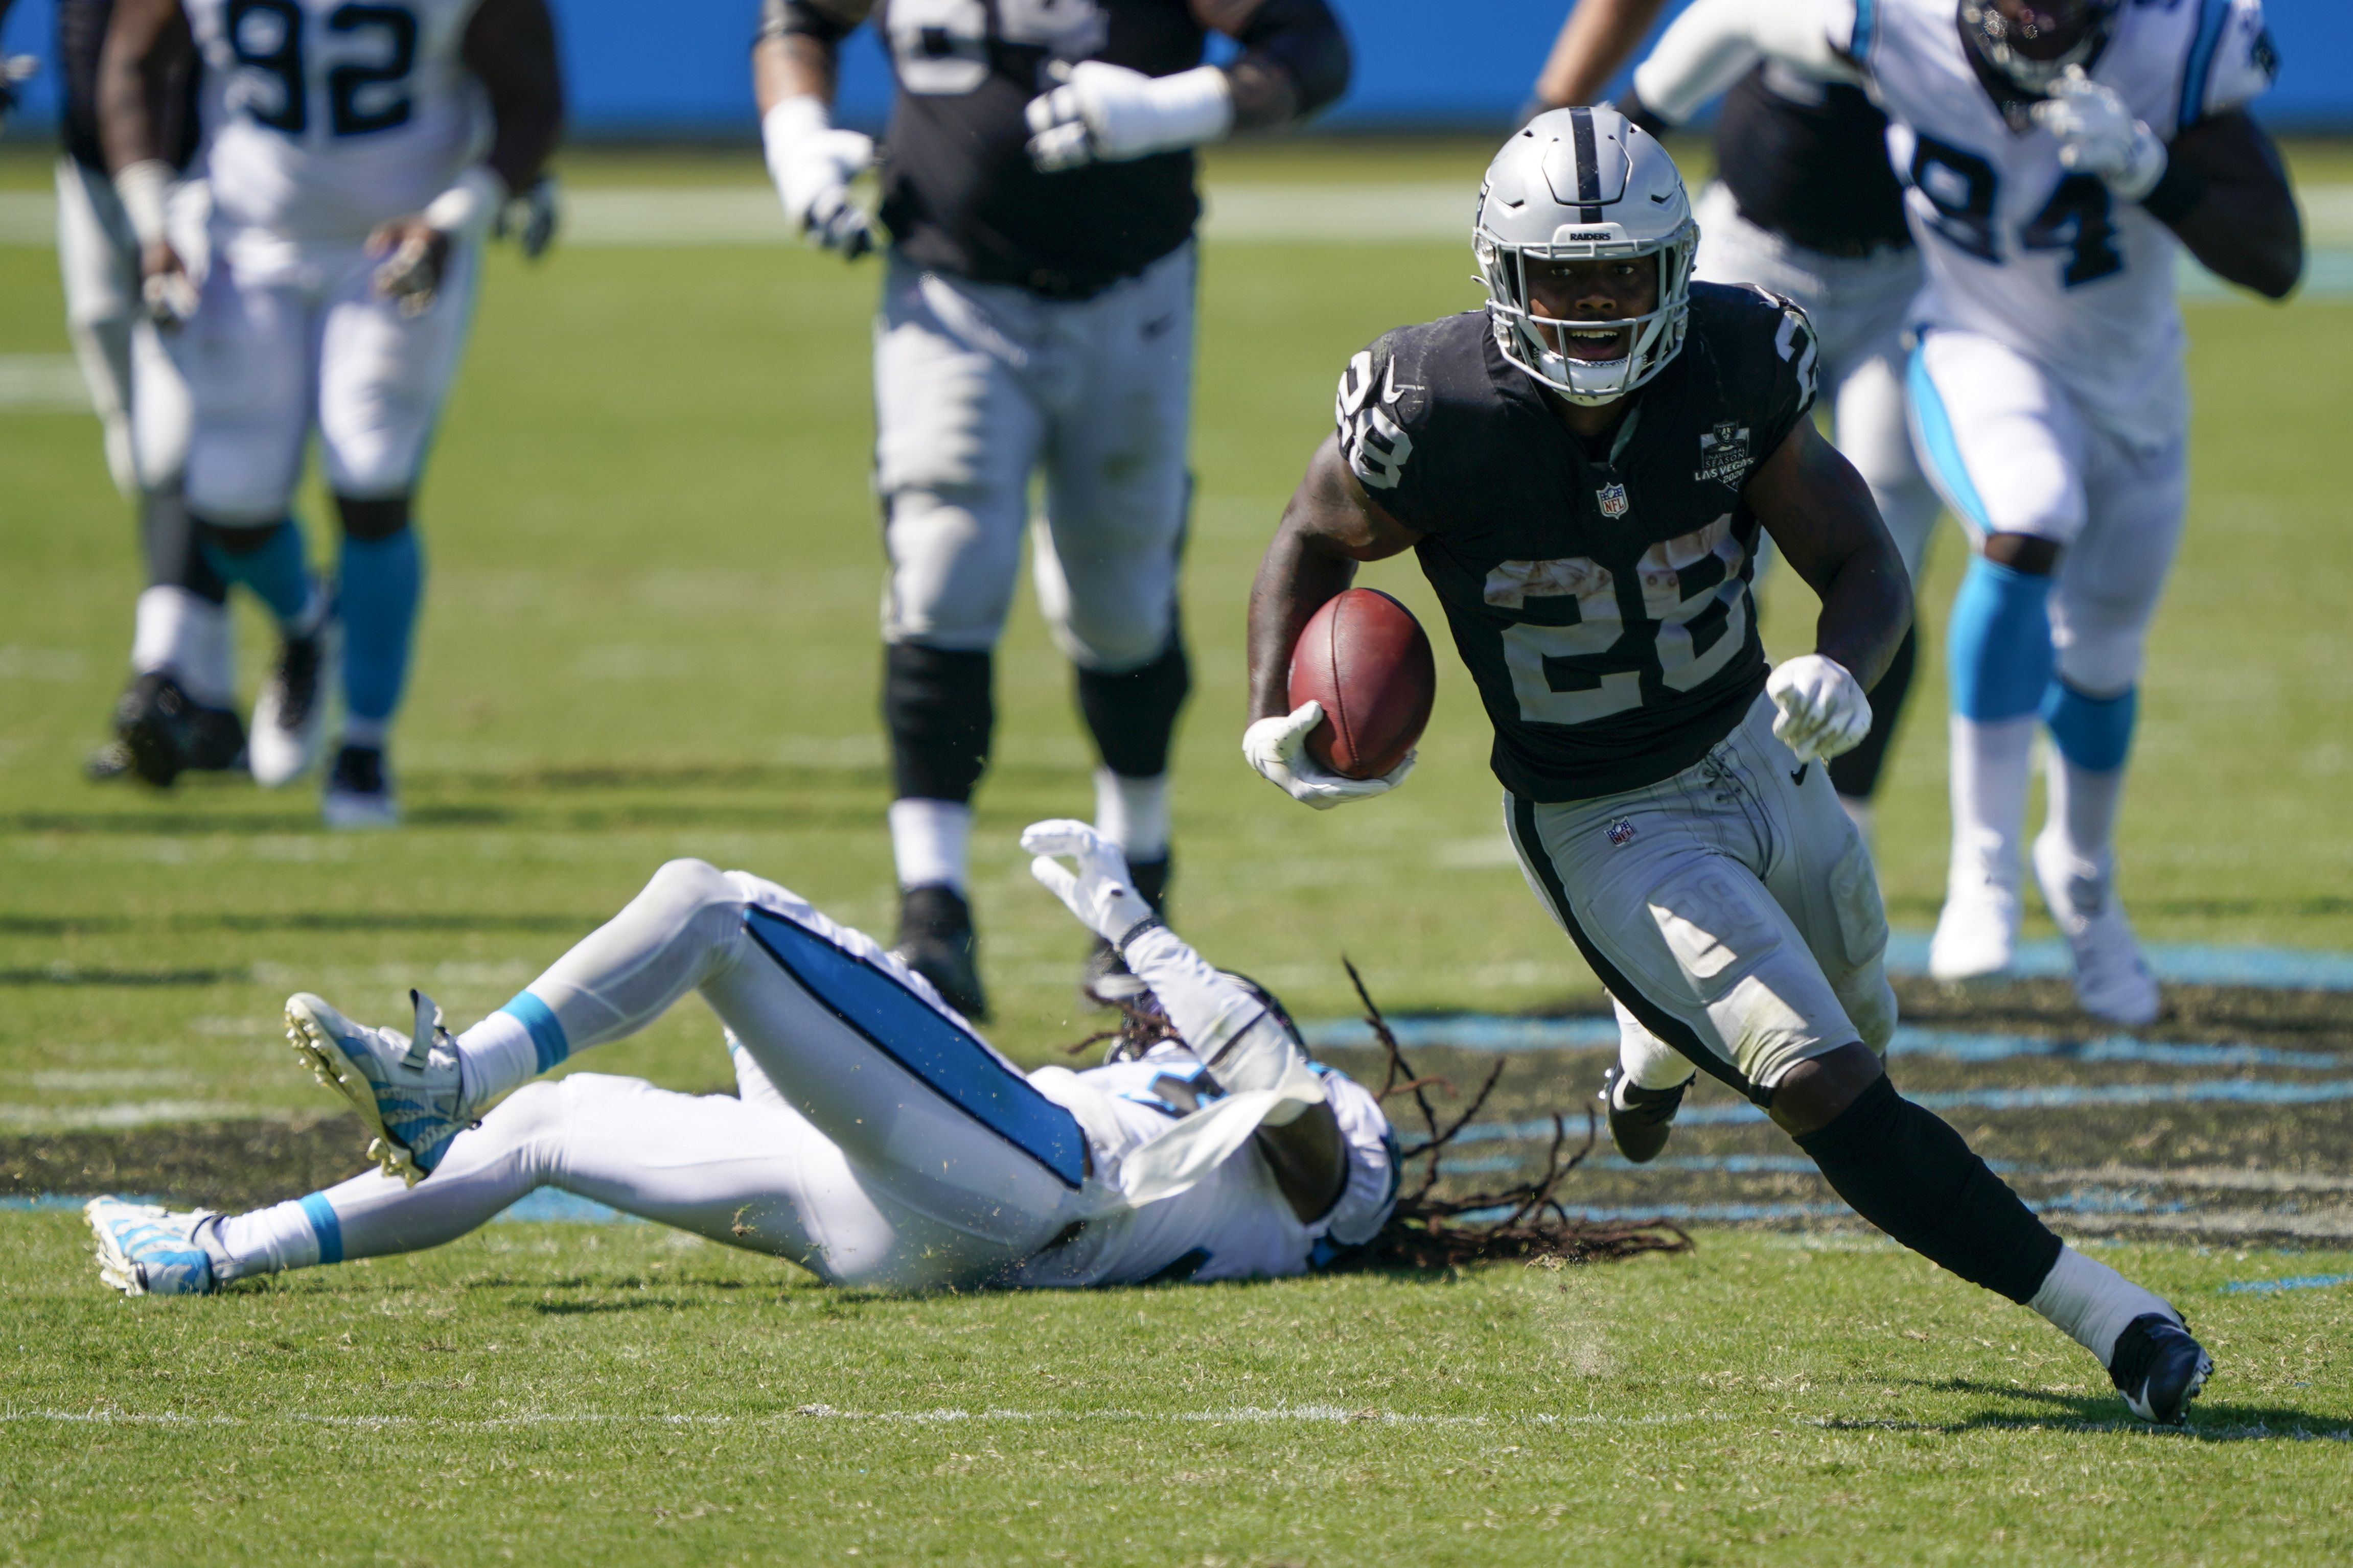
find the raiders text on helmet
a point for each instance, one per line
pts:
(1578, 184)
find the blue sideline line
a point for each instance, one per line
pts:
(2184, 964)
(1486, 1032)
(2300, 1282)
(2047, 1097)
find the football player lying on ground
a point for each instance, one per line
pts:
(1583, 467)
(875, 1141)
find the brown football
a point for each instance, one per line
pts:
(1366, 660)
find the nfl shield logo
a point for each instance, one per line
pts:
(1613, 500)
(1621, 834)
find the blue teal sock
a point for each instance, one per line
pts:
(276, 573)
(382, 579)
(1998, 654)
(2093, 732)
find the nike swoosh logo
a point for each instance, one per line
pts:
(1798, 777)
(1389, 388)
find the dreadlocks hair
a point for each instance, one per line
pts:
(1526, 1221)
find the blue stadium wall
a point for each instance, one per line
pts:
(676, 68)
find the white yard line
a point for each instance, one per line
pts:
(43, 384)
(1243, 1415)
(1354, 215)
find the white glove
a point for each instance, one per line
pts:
(812, 164)
(1109, 114)
(1101, 895)
(1277, 748)
(2098, 135)
(1824, 713)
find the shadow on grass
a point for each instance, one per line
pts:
(2210, 1421)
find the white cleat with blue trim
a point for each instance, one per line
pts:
(407, 1087)
(1977, 932)
(145, 1249)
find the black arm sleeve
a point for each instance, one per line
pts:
(826, 23)
(1303, 38)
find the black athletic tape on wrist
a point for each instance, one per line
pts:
(798, 18)
(2176, 194)
(1629, 104)
(1150, 923)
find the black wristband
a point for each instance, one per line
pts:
(2176, 194)
(1629, 104)
(1132, 932)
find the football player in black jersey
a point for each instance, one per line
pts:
(1805, 204)
(1583, 468)
(178, 714)
(1037, 315)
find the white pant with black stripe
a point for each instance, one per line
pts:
(1730, 910)
(977, 386)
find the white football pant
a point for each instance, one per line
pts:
(133, 385)
(292, 337)
(979, 386)
(836, 1156)
(2012, 453)
(1730, 910)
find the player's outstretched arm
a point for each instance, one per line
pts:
(1716, 42)
(1330, 525)
(148, 48)
(1246, 1045)
(1293, 61)
(1598, 38)
(2226, 194)
(1820, 513)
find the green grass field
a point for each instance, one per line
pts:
(650, 633)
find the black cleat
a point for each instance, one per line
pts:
(2159, 1369)
(936, 940)
(162, 733)
(1104, 979)
(359, 793)
(1640, 1126)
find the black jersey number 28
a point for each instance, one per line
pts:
(1964, 188)
(363, 95)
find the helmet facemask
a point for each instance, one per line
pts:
(1584, 184)
(1538, 344)
(2001, 40)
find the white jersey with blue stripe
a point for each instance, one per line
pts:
(1234, 1224)
(2016, 247)
(325, 118)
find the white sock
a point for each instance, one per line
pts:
(2091, 1302)
(185, 635)
(266, 1241)
(1647, 1061)
(2083, 806)
(1992, 765)
(929, 840)
(495, 1058)
(1133, 813)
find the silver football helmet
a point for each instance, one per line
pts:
(1996, 38)
(1577, 185)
